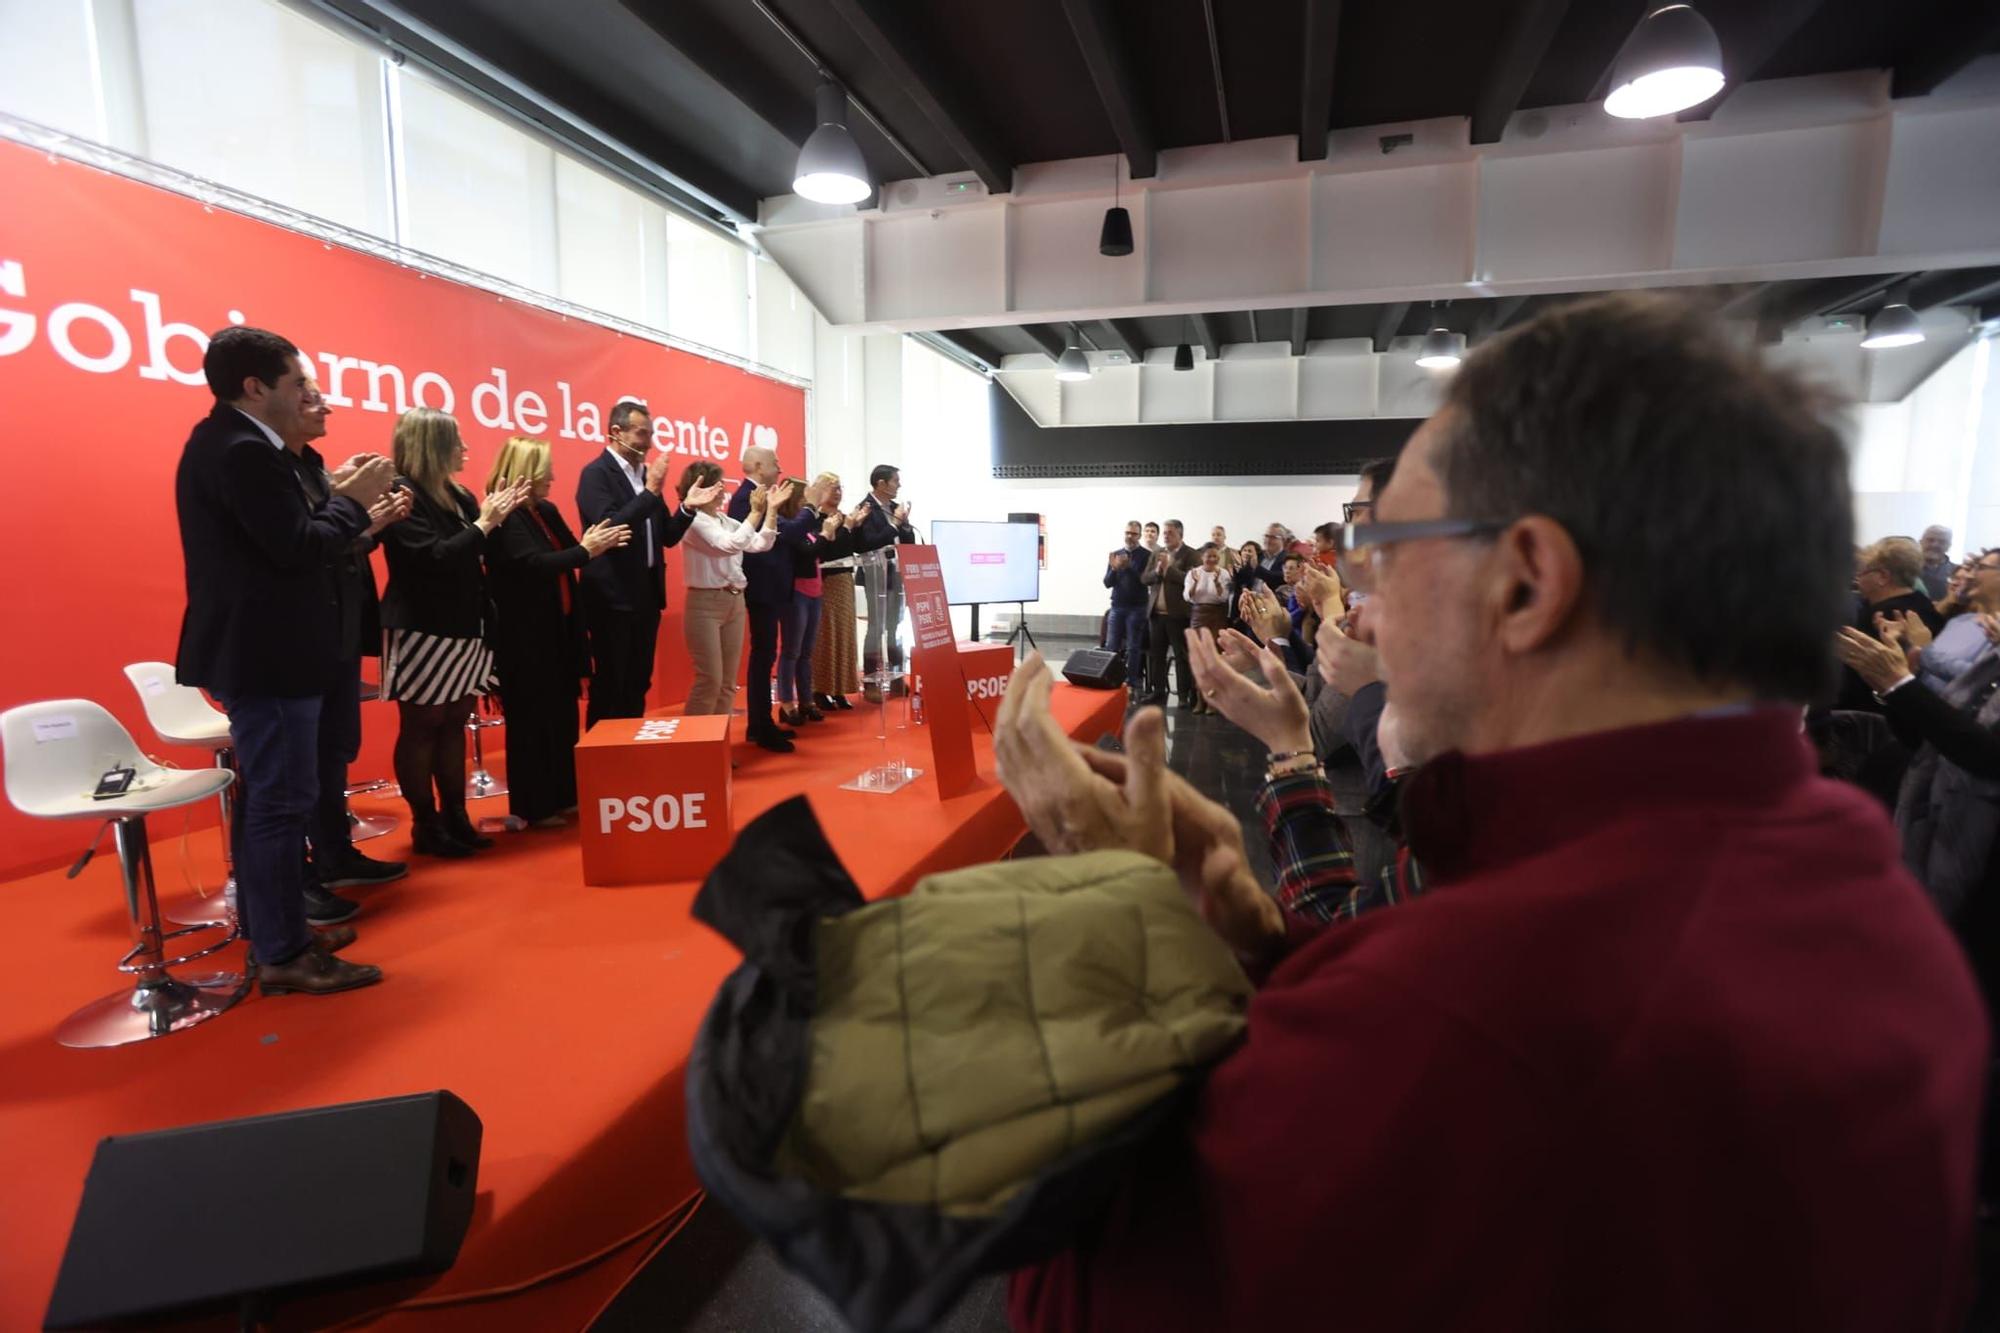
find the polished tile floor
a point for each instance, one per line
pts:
(716, 1278)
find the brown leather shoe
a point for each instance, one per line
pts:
(335, 938)
(314, 972)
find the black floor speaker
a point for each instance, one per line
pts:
(331, 1197)
(1095, 669)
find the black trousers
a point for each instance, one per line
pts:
(541, 753)
(621, 663)
(339, 743)
(764, 620)
(1162, 633)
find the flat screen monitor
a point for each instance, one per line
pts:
(988, 562)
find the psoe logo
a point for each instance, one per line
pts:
(643, 814)
(657, 729)
(986, 687)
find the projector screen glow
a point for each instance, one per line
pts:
(988, 562)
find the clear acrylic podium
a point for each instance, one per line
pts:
(875, 575)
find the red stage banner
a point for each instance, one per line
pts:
(108, 290)
(947, 714)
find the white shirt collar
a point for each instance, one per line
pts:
(269, 434)
(637, 476)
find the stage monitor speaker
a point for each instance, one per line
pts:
(1095, 669)
(335, 1196)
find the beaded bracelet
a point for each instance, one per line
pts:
(1293, 767)
(1280, 756)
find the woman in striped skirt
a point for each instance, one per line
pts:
(437, 626)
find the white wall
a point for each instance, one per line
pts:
(1933, 457)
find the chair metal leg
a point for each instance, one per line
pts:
(481, 784)
(198, 909)
(158, 1003)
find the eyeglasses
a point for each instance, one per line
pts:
(1353, 507)
(1359, 536)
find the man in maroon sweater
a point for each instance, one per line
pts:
(1670, 1041)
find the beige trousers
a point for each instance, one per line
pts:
(713, 625)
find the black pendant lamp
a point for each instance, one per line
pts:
(1114, 238)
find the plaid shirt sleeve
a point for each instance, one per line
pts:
(1315, 860)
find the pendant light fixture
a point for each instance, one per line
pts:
(1441, 347)
(831, 169)
(1671, 63)
(1895, 324)
(1072, 365)
(1114, 238)
(1184, 354)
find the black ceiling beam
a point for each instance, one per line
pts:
(1964, 286)
(883, 28)
(1047, 337)
(1530, 29)
(1792, 302)
(1497, 315)
(1948, 45)
(1388, 323)
(1104, 55)
(1316, 89)
(1122, 334)
(1300, 317)
(1204, 333)
(1772, 25)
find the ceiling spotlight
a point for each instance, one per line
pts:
(1671, 63)
(831, 169)
(1893, 326)
(1072, 365)
(1440, 350)
(1184, 357)
(1114, 238)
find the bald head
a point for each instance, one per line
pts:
(760, 464)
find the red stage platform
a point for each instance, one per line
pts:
(562, 1014)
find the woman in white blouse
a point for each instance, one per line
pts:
(1208, 589)
(712, 562)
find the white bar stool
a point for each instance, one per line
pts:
(55, 753)
(360, 828)
(180, 715)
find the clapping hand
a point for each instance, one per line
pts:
(782, 492)
(1069, 807)
(364, 479)
(1119, 560)
(859, 515)
(1346, 663)
(1906, 629)
(1209, 859)
(656, 473)
(1265, 614)
(698, 496)
(1879, 664)
(502, 502)
(830, 527)
(393, 507)
(902, 514)
(1274, 711)
(604, 536)
(1321, 588)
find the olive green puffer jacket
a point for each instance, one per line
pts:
(901, 1095)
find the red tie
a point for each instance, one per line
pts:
(562, 578)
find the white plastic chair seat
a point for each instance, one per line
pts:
(178, 713)
(58, 749)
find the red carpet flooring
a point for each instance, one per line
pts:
(562, 1014)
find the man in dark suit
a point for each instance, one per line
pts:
(262, 631)
(625, 590)
(1165, 579)
(760, 472)
(885, 524)
(336, 863)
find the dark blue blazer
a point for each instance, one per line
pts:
(768, 575)
(259, 551)
(619, 580)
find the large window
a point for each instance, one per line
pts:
(263, 100)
